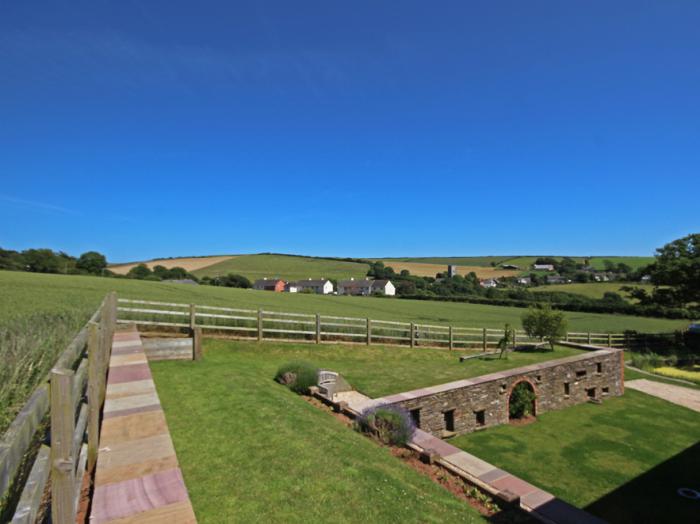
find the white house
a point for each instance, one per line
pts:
(364, 287)
(524, 281)
(360, 287)
(489, 282)
(383, 286)
(322, 286)
(543, 267)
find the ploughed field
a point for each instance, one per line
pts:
(40, 313)
(622, 460)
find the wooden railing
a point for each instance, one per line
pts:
(36, 457)
(259, 324)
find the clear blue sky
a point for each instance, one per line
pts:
(162, 128)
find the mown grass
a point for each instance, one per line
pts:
(40, 313)
(622, 460)
(285, 267)
(383, 370)
(253, 451)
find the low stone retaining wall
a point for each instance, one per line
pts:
(471, 404)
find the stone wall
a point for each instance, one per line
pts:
(481, 402)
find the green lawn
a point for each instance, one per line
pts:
(592, 289)
(622, 460)
(285, 267)
(252, 451)
(378, 371)
(40, 313)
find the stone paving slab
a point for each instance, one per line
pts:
(686, 397)
(137, 479)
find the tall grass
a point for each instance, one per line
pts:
(29, 346)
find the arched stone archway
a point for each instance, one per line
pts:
(532, 387)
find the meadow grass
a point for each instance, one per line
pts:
(40, 313)
(285, 267)
(592, 289)
(252, 451)
(622, 460)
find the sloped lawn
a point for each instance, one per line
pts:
(623, 460)
(252, 451)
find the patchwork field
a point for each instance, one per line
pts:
(423, 269)
(285, 267)
(188, 263)
(525, 262)
(40, 313)
(622, 460)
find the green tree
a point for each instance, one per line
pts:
(139, 272)
(92, 262)
(544, 323)
(41, 261)
(677, 265)
(506, 341)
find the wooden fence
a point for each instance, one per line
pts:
(53, 441)
(252, 324)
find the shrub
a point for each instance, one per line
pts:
(390, 424)
(298, 376)
(522, 399)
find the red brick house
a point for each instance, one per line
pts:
(270, 284)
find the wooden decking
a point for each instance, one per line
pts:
(138, 478)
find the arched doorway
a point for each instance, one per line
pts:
(522, 400)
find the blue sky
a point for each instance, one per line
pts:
(146, 129)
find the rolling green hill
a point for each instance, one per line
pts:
(287, 267)
(592, 289)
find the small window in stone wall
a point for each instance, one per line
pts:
(581, 373)
(606, 391)
(504, 387)
(567, 389)
(449, 417)
(599, 367)
(480, 418)
(590, 392)
(415, 416)
(538, 378)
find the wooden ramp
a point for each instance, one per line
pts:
(137, 478)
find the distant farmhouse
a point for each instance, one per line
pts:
(270, 284)
(557, 279)
(509, 266)
(543, 267)
(489, 282)
(451, 270)
(321, 286)
(366, 287)
(524, 281)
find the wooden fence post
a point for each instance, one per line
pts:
(413, 335)
(514, 338)
(197, 343)
(452, 340)
(609, 340)
(62, 459)
(566, 337)
(260, 325)
(589, 338)
(484, 342)
(369, 331)
(95, 394)
(318, 328)
(193, 318)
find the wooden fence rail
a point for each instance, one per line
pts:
(261, 324)
(71, 398)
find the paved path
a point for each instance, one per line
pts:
(494, 480)
(686, 397)
(138, 478)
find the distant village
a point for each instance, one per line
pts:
(542, 274)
